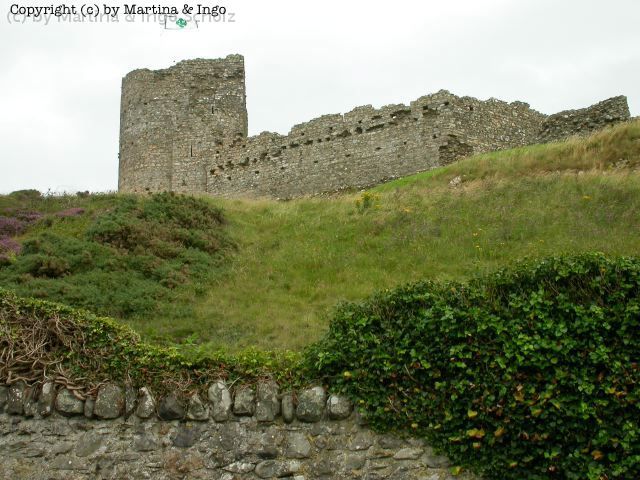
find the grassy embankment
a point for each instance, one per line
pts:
(297, 259)
(293, 261)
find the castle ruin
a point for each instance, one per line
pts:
(184, 129)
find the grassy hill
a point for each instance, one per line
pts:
(291, 262)
(297, 259)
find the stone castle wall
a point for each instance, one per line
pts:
(584, 121)
(368, 146)
(185, 129)
(252, 433)
(172, 121)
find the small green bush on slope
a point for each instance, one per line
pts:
(527, 373)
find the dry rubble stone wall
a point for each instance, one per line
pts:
(250, 432)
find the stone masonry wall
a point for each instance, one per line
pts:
(252, 433)
(584, 121)
(172, 120)
(185, 129)
(368, 146)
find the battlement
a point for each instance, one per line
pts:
(193, 137)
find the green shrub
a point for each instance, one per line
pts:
(26, 195)
(527, 373)
(128, 259)
(366, 201)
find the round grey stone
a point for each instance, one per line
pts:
(109, 402)
(68, 404)
(339, 407)
(171, 408)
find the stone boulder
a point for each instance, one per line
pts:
(311, 404)
(244, 403)
(220, 399)
(68, 404)
(110, 402)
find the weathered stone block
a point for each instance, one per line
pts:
(46, 399)
(187, 435)
(220, 399)
(68, 404)
(110, 401)
(311, 404)
(89, 444)
(146, 403)
(408, 454)
(171, 408)
(89, 406)
(362, 440)
(288, 408)
(298, 445)
(15, 398)
(354, 460)
(4, 395)
(244, 402)
(267, 403)
(31, 401)
(146, 442)
(197, 410)
(277, 469)
(240, 467)
(130, 400)
(339, 407)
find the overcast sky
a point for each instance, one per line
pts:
(60, 83)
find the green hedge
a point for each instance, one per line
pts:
(529, 373)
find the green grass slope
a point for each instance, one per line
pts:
(297, 259)
(293, 261)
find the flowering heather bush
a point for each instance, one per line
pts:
(29, 217)
(8, 246)
(133, 257)
(10, 226)
(70, 212)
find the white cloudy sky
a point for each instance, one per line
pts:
(60, 83)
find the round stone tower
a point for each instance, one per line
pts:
(172, 121)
